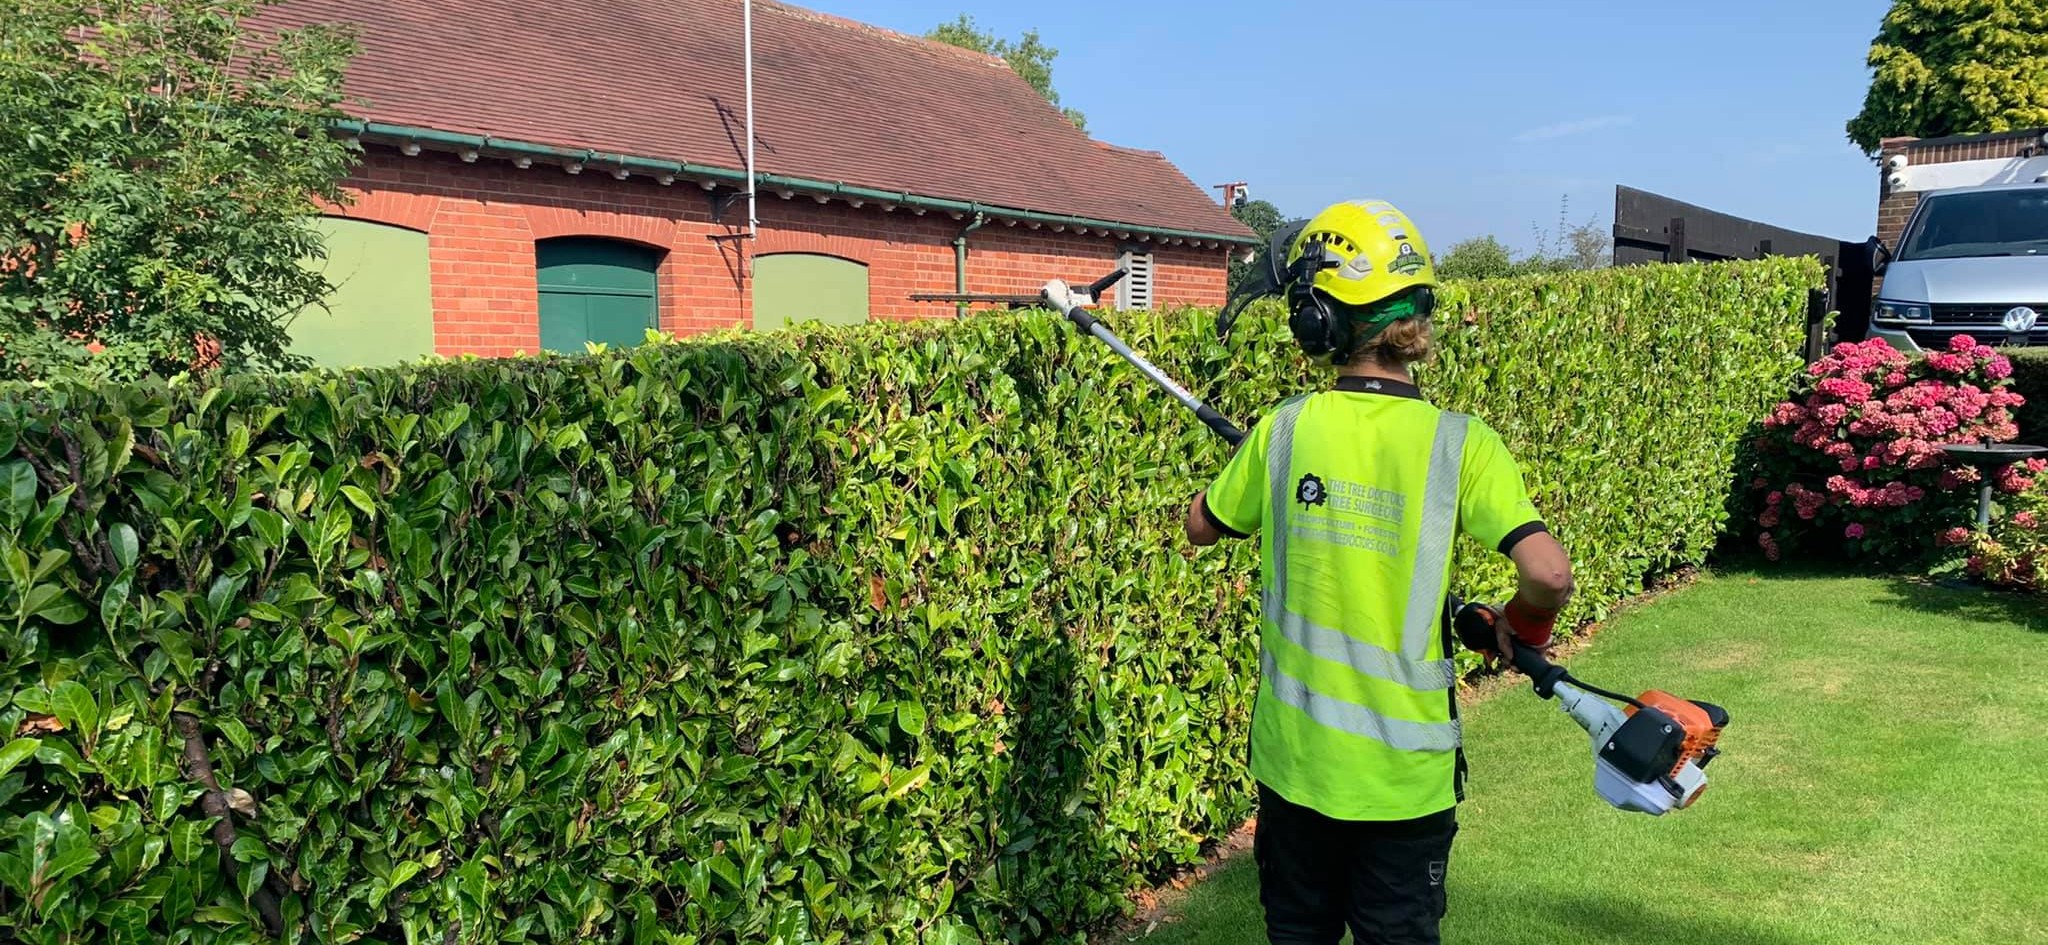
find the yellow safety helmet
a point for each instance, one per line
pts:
(1362, 255)
(1370, 251)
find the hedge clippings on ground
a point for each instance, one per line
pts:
(881, 635)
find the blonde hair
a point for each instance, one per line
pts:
(1402, 343)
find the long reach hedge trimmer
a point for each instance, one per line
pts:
(1649, 757)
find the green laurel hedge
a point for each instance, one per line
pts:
(2030, 379)
(877, 635)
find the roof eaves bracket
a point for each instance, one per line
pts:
(721, 202)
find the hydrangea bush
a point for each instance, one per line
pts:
(1854, 463)
(2015, 551)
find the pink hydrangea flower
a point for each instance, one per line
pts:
(2013, 479)
(1853, 531)
(2025, 520)
(1844, 388)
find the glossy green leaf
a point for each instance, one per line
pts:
(55, 604)
(910, 717)
(121, 537)
(21, 488)
(74, 706)
(16, 752)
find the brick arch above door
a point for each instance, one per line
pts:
(658, 232)
(389, 207)
(771, 242)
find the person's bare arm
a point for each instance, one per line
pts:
(1544, 576)
(1201, 533)
(1544, 571)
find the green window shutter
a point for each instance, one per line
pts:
(792, 288)
(595, 290)
(382, 309)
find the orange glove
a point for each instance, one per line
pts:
(1533, 626)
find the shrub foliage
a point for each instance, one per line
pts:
(164, 165)
(882, 635)
(2030, 380)
(1854, 462)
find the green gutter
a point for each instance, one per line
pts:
(481, 144)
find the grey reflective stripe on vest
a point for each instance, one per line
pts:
(1356, 719)
(1411, 667)
(1439, 529)
(1361, 655)
(1279, 473)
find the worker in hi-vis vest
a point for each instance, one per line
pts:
(1357, 494)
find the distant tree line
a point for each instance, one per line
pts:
(1572, 246)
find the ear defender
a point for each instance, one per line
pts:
(1316, 327)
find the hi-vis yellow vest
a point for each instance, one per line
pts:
(1358, 495)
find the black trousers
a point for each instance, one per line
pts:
(1383, 879)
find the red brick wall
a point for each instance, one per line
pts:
(482, 219)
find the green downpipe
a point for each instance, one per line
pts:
(960, 259)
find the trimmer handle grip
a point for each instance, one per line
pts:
(1474, 625)
(1220, 426)
(1541, 671)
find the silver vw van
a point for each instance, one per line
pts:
(1971, 261)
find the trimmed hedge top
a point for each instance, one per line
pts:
(877, 635)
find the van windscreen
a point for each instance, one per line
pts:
(1983, 223)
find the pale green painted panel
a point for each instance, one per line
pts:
(792, 288)
(382, 309)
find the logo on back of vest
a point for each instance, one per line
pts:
(1310, 491)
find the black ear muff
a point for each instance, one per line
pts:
(1309, 318)
(1317, 329)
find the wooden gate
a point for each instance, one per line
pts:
(1651, 228)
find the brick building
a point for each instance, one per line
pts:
(534, 177)
(1909, 167)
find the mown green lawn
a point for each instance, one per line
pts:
(1883, 781)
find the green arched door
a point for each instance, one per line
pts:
(595, 290)
(792, 288)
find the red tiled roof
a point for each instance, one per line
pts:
(834, 100)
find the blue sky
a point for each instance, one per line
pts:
(1475, 116)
